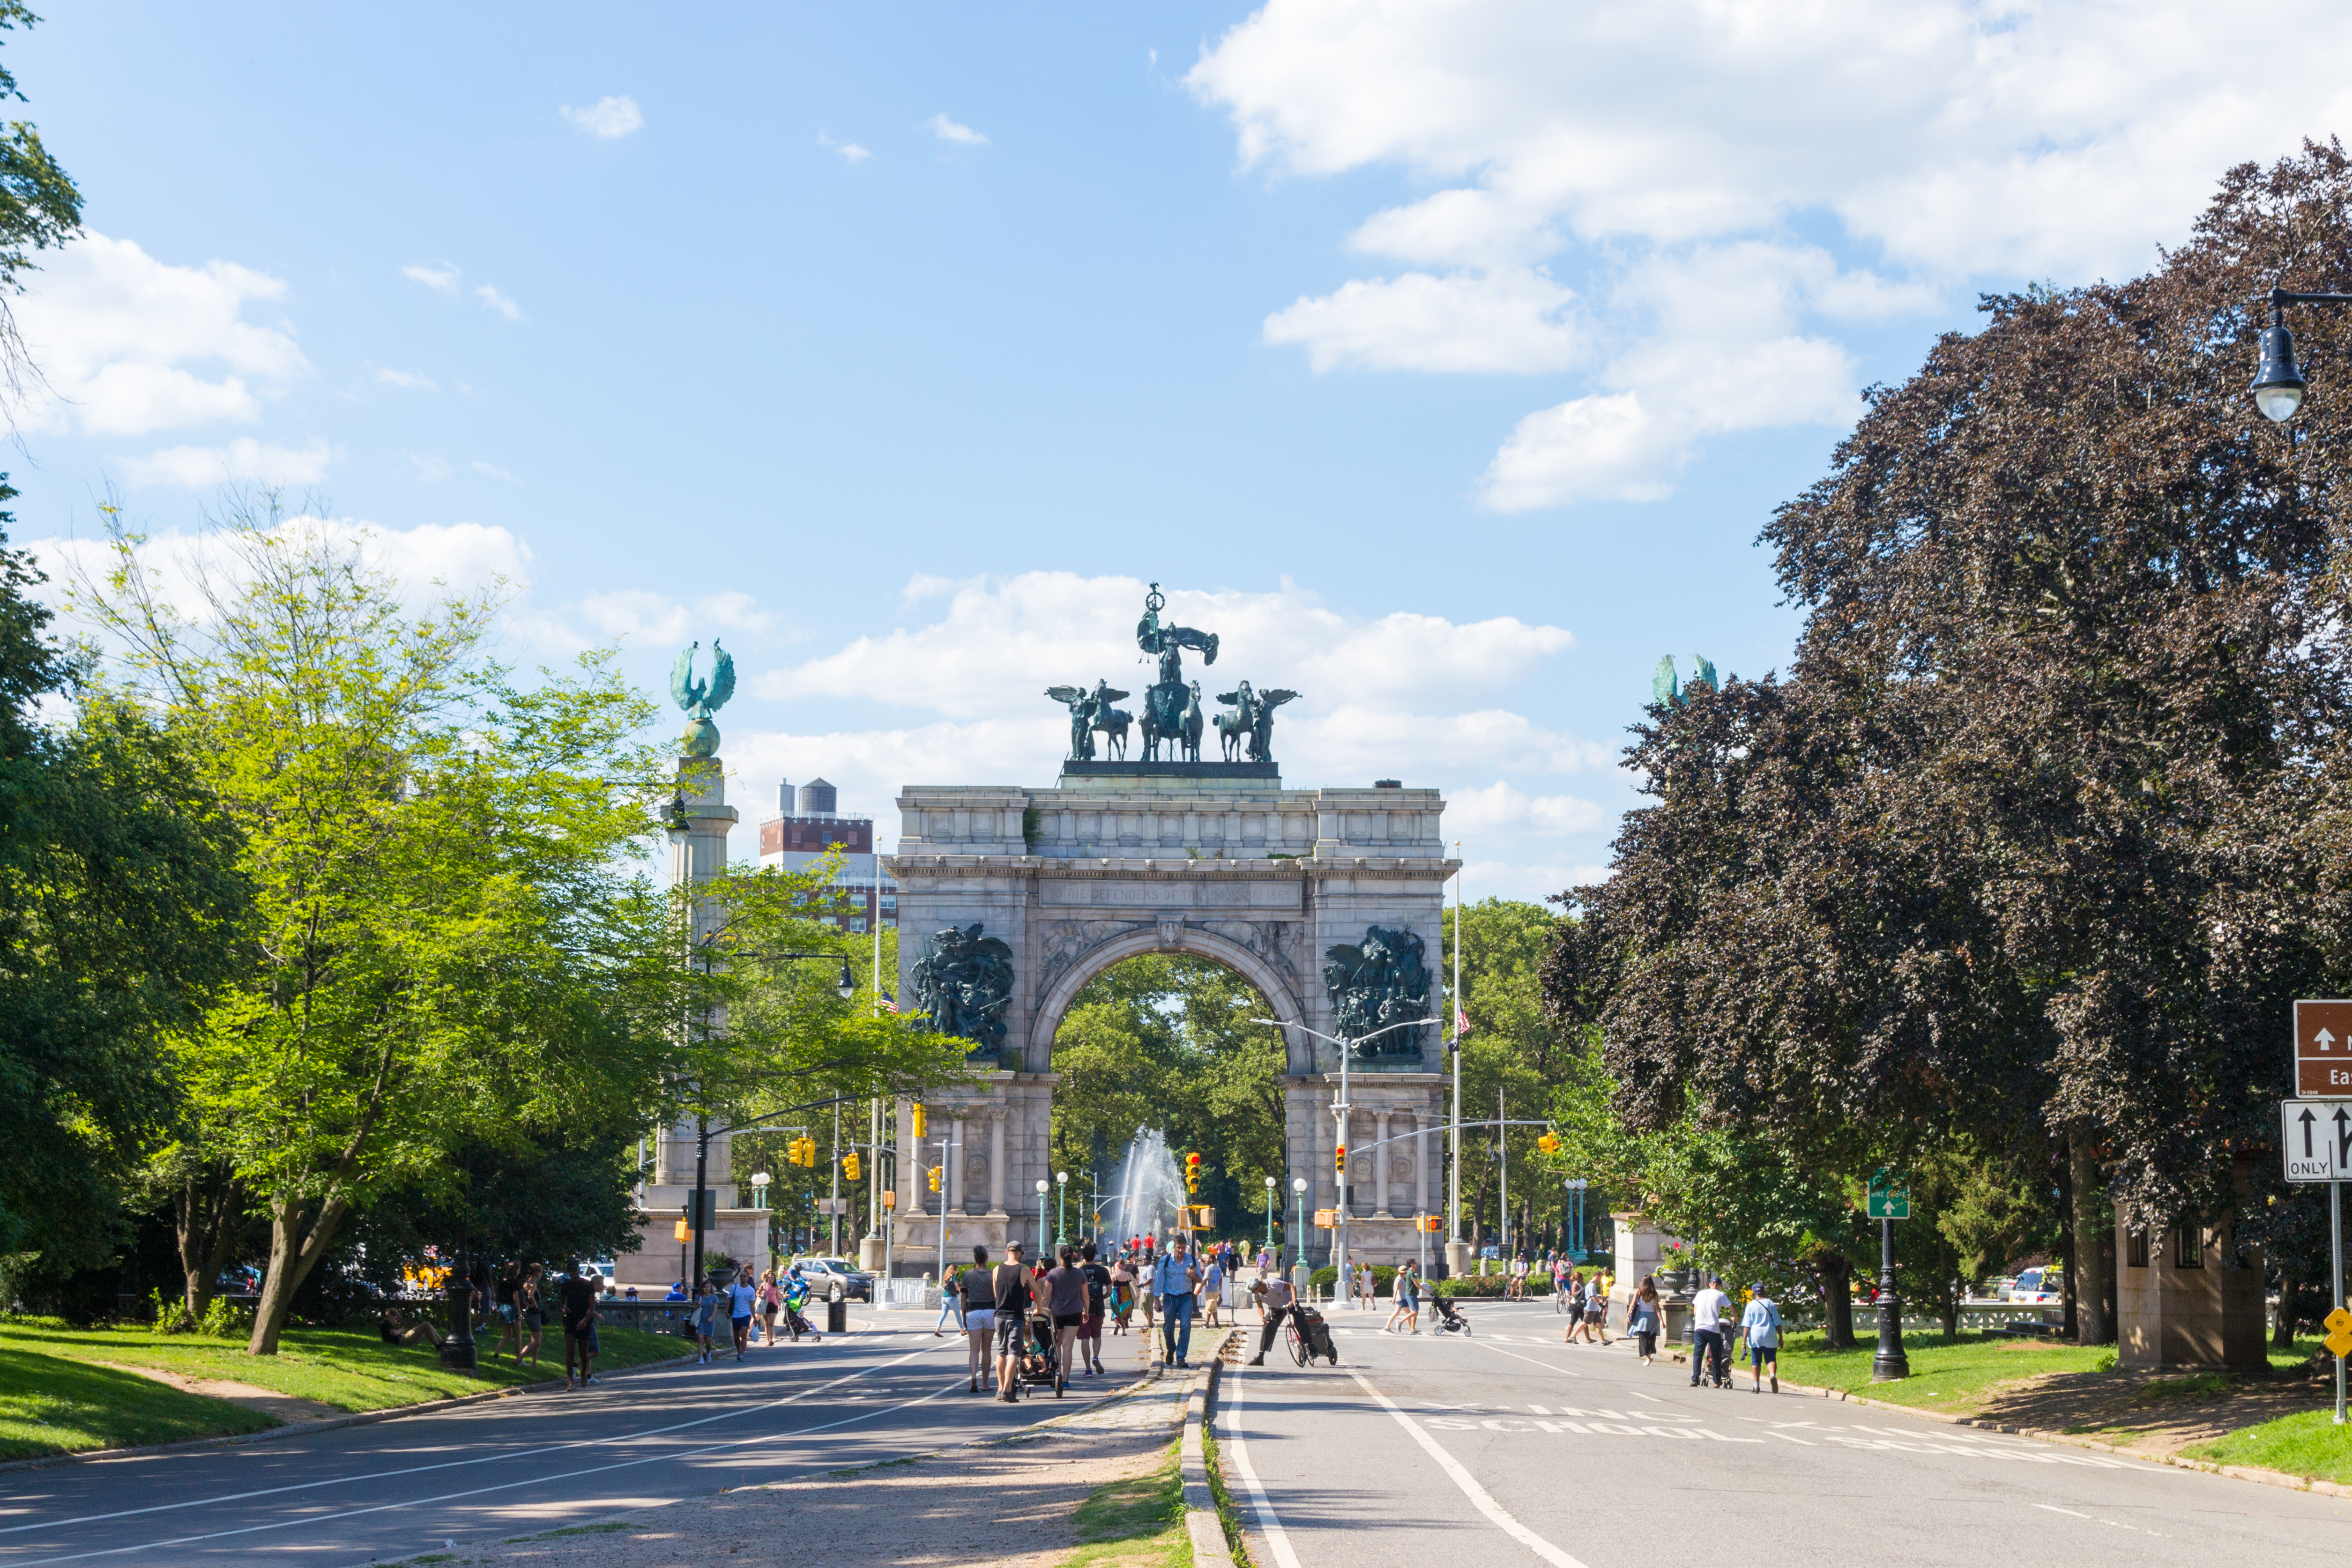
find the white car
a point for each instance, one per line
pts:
(2039, 1287)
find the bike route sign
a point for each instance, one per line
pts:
(2315, 1136)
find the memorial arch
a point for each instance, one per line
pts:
(1291, 889)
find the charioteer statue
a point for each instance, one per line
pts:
(1172, 716)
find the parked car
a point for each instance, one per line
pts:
(2039, 1287)
(833, 1279)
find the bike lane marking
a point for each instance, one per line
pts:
(451, 1464)
(484, 1491)
(1277, 1540)
(1478, 1495)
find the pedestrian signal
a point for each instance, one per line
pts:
(935, 1178)
(889, 1198)
(1327, 1218)
(920, 1120)
(849, 1166)
(678, 1232)
(1430, 1222)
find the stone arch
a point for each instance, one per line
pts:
(1298, 1048)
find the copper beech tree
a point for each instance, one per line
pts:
(2045, 827)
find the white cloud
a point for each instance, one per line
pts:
(492, 470)
(1497, 805)
(609, 118)
(1675, 146)
(947, 130)
(407, 379)
(428, 468)
(130, 344)
(438, 276)
(851, 152)
(498, 302)
(1507, 322)
(244, 461)
(656, 618)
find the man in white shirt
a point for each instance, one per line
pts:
(1709, 1354)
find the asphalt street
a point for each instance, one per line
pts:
(532, 1462)
(1510, 1448)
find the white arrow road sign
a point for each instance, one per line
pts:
(2315, 1136)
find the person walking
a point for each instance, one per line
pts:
(976, 1292)
(1212, 1284)
(1760, 1325)
(1277, 1301)
(1572, 1304)
(952, 1306)
(1065, 1299)
(1596, 1307)
(576, 1299)
(502, 1302)
(743, 1301)
(1709, 1357)
(706, 1321)
(1122, 1293)
(1174, 1280)
(770, 1299)
(1642, 1319)
(1009, 1283)
(530, 1307)
(1408, 1299)
(1097, 1302)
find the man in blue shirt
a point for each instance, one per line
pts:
(1174, 1278)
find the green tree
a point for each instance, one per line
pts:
(450, 931)
(40, 207)
(1516, 1058)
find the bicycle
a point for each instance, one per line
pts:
(1301, 1352)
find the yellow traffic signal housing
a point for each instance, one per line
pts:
(1339, 1162)
(935, 1178)
(921, 1121)
(1549, 1143)
(889, 1198)
(680, 1233)
(849, 1166)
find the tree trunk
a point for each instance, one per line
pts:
(1836, 1277)
(2086, 1278)
(292, 1255)
(2283, 1336)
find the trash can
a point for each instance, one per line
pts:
(836, 1316)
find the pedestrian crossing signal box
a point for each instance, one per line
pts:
(1431, 1223)
(1329, 1218)
(1886, 1200)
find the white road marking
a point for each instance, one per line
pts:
(482, 1491)
(1530, 1360)
(1276, 1540)
(2053, 1507)
(1786, 1439)
(1478, 1495)
(451, 1464)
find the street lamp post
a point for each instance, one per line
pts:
(2278, 381)
(1269, 1214)
(1042, 1185)
(1061, 1208)
(1890, 1364)
(1299, 1186)
(1340, 1117)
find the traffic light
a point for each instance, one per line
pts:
(849, 1166)
(1191, 1173)
(803, 1152)
(935, 1178)
(792, 1151)
(1432, 1222)
(920, 1120)
(1548, 1143)
(889, 1198)
(1340, 1163)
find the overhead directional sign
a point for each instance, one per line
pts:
(2315, 1136)
(2322, 1048)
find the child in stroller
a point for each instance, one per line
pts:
(796, 1294)
(1039, 1364)
(1449, 1321)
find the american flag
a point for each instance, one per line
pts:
(1461, 1021)
(889, 1003)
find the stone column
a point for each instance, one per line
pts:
(955, 1166)
(1381, 1155)
(996, 1114)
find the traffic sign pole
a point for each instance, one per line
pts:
(2335, 1273)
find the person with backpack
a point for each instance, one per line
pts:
(1760, 1325)
(1174, 1280)
(1098, 1287)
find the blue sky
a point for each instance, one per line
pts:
(1446, 359)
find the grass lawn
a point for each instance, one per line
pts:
(57, 1396)
(2307, 1444)
(1136, 1523)
(1949, 1374)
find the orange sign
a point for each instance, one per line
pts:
(2323, 1050)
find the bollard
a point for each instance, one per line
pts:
(836, 1316)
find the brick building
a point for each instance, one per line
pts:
(800, 832)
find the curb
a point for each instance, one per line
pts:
(1206, 1529)
(323, 1424)
(2254, 1473)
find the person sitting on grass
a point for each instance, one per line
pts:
(395, 1332)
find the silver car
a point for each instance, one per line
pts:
(832, 1279)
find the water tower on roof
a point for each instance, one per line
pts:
(817, 798)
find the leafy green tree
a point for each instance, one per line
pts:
(120, 914)
(40, 207)
(1516, 1058)
(450, 932)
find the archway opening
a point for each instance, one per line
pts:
(1158, 1059)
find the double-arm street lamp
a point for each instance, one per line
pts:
(1340, 1118)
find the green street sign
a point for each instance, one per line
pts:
(1888, 1201)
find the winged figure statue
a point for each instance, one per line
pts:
(1083, 708)
(1252, 722)
(703, 698)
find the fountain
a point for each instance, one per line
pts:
(1146, 1192)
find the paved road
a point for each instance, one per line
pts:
(1510, 1448)
(515, 1466)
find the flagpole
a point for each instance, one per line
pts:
(1454, 1198)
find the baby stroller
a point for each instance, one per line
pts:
(1309, 1337)
(1448, 1320)
(1039, 1364)
(1717, 1371)
(795, 1325)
